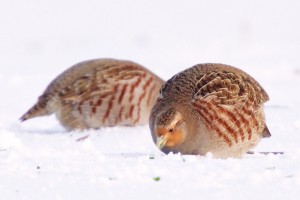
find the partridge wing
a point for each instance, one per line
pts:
(230, 104)
(101, 82)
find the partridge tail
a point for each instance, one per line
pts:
(39, 109)
(266, 133)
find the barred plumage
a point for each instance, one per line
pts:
(214, 108)
(99, 93)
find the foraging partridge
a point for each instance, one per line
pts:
(99, 93)
(209, 108)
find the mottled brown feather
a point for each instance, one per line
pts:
(99, 93)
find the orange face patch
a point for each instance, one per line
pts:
(172, 138)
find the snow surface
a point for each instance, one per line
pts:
(40, 39)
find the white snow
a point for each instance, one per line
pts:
(40, 39)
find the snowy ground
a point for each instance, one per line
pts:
(40, 39)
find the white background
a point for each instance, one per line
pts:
(41, 38)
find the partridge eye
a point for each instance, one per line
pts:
(171, 130)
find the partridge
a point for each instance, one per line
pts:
(212, 108)
(99, 93)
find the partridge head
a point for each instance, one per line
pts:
(209, 108)
(99, 93)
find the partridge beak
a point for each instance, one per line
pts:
(161, 141)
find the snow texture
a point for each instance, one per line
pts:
(40, 39)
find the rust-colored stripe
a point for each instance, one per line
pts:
(251, 120)
(235, 121)
(225, 137)
(145, 86)
(209, 118)
(147, 83)
(247, 111)
(243, 118)
(203, 115)
(242, 134)
(122, 93)
(249, 133)
(244, 123)
(216, 123)
(228, 129)
(204, 104)
(110, 104)
(241, 123)
(99, 102)
(119, 118)
(232, 119)
(218, 112)
(79, 107)
(151, 93)
(230, 115)
(133, 86)
(139, 107)
(131, 111)
(94, 110)
(80, 110)
(109, 108)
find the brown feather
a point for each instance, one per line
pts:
(95, 93)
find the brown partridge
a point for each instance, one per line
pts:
(99, 93)
(209, 108)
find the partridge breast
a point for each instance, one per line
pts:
(100, 93)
